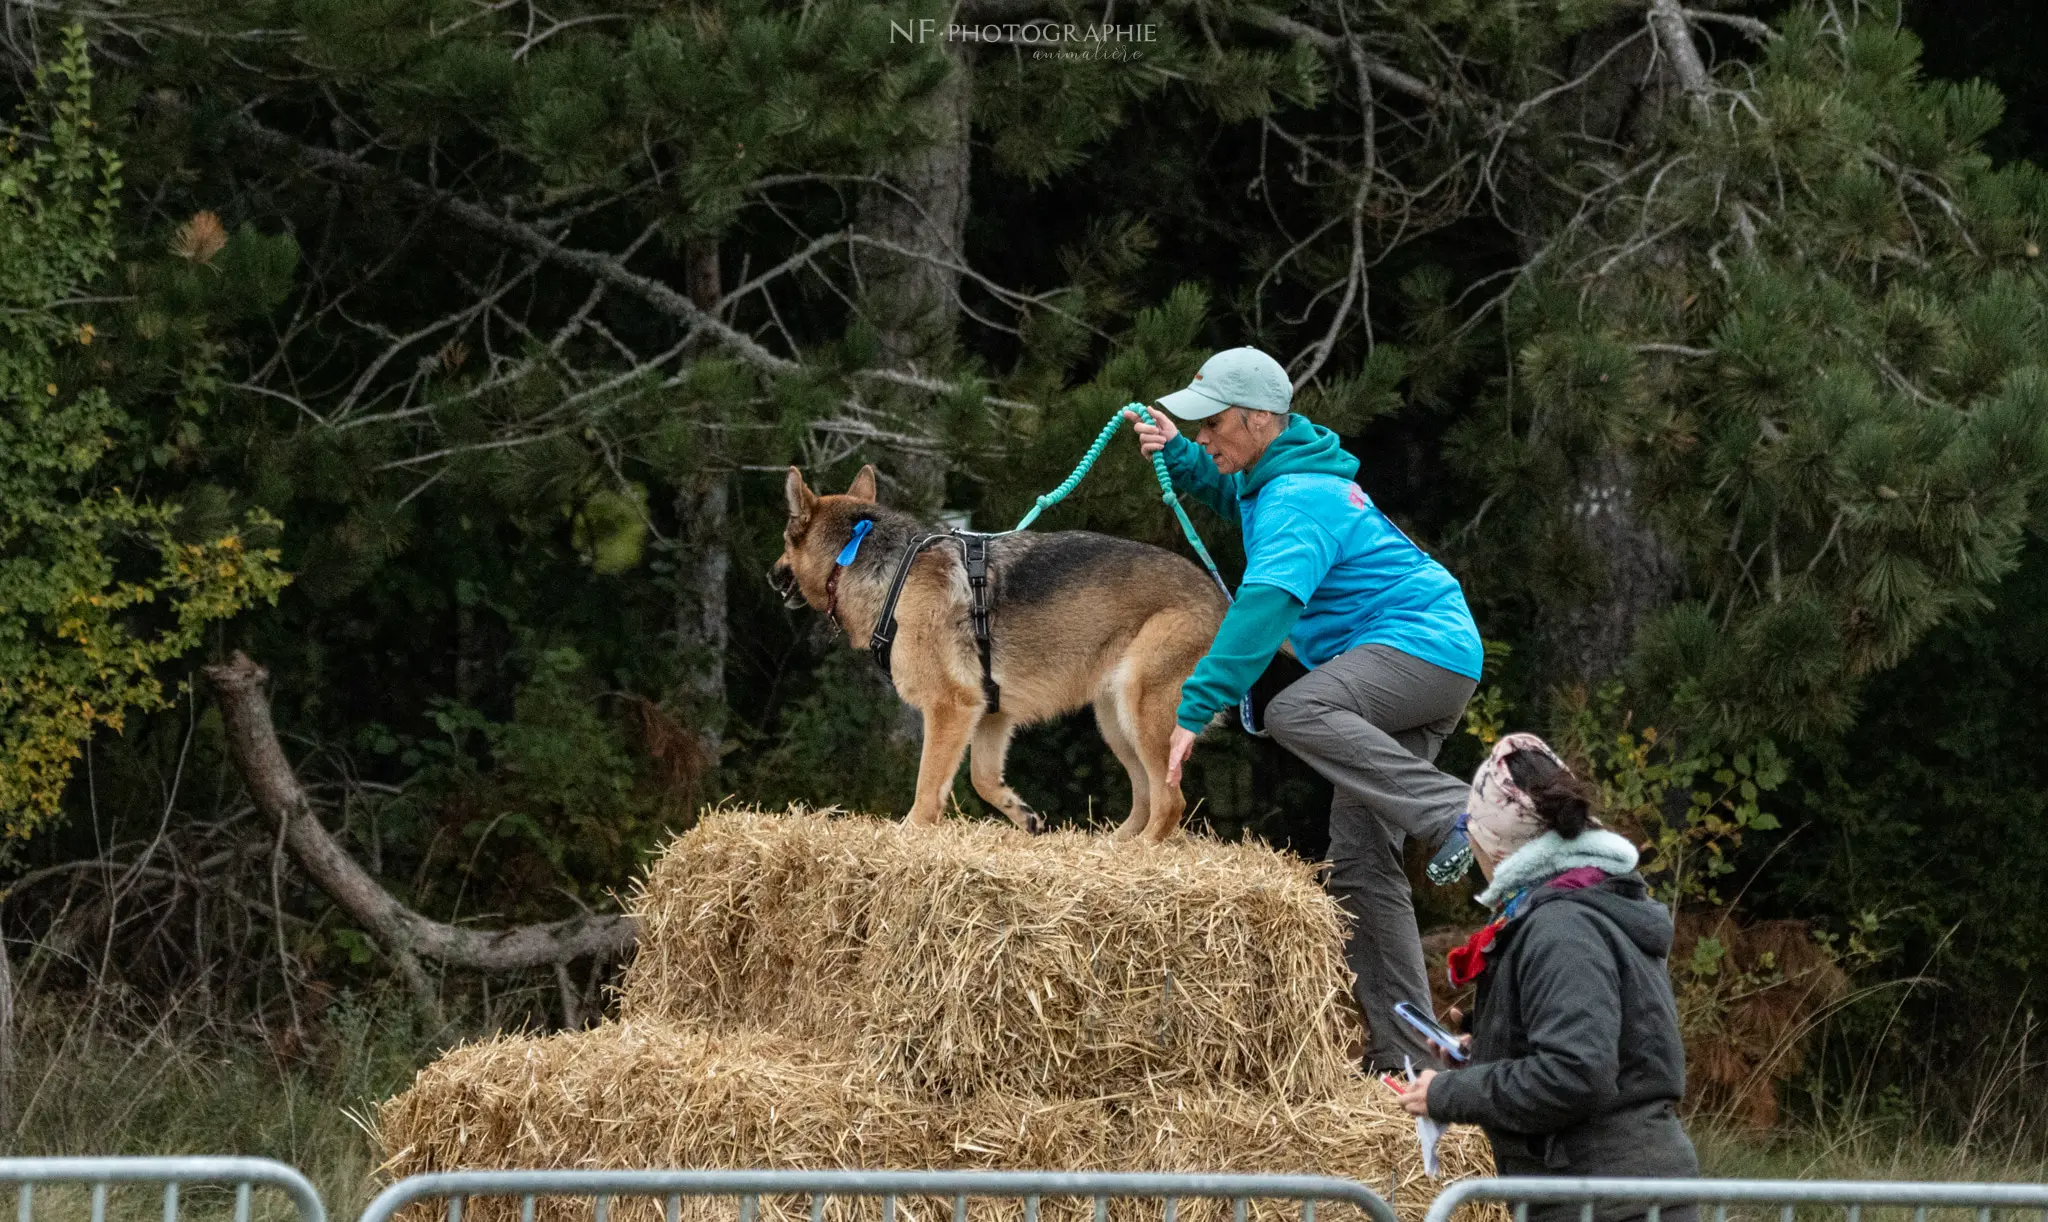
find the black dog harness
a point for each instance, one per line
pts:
(974, 552)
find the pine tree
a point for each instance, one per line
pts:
(1809, 329)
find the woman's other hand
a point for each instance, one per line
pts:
(1454, 1018)
(1415, 1100)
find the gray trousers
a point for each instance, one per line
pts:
(1371, 721)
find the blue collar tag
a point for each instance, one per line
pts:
(852, 548)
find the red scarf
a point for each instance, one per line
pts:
(1467, 961)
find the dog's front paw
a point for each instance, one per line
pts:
(1031, 821)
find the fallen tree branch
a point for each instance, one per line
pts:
(403, 934)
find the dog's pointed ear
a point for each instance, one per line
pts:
(801, 498)
(864, 485)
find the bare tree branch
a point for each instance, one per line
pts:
(1676, 39)
(605, 267)
(1761, 31)
(404, 934)
(1381, 71)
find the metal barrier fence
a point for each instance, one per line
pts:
(1031, 1187)
(1787, 1195)
(246, 1174)
(456, 1189)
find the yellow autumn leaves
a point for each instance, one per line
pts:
(100, 595)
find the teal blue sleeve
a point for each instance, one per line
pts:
(1253, 631)
(1195, 475)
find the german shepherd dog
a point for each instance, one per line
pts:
(1076, 618)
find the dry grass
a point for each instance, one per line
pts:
(972, 957)
(641, 1095)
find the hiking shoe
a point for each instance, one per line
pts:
(1453, 857)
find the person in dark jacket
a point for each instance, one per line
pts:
(1577, 1065)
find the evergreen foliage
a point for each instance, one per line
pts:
(1927, 813)
(1814, 327)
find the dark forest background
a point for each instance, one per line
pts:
(1704, 345)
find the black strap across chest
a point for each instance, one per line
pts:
(974, 552)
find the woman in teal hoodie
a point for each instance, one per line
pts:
(1392, 652)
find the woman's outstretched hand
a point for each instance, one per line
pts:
(1177, 751)
(1152, 437)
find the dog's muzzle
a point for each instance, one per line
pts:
(782, 579)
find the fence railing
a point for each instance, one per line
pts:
(456, 1188)
(452, 1192)
(1659, 1196)
(244, 1174)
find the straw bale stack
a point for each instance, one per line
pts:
(976, 958)
(813, 991)
(646, 1095)
(660, 1095)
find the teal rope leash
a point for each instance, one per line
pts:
(1166, 492)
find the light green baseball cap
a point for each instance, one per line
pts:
(1236, 377)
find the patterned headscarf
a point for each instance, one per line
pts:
(1502, 817)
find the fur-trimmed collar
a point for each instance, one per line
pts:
(1550, 855)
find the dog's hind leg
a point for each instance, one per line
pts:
(1109, 718)
(1153, 719)
(991, 745)
(1158, 660)
(947, 727)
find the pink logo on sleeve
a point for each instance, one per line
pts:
(1357, 497)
